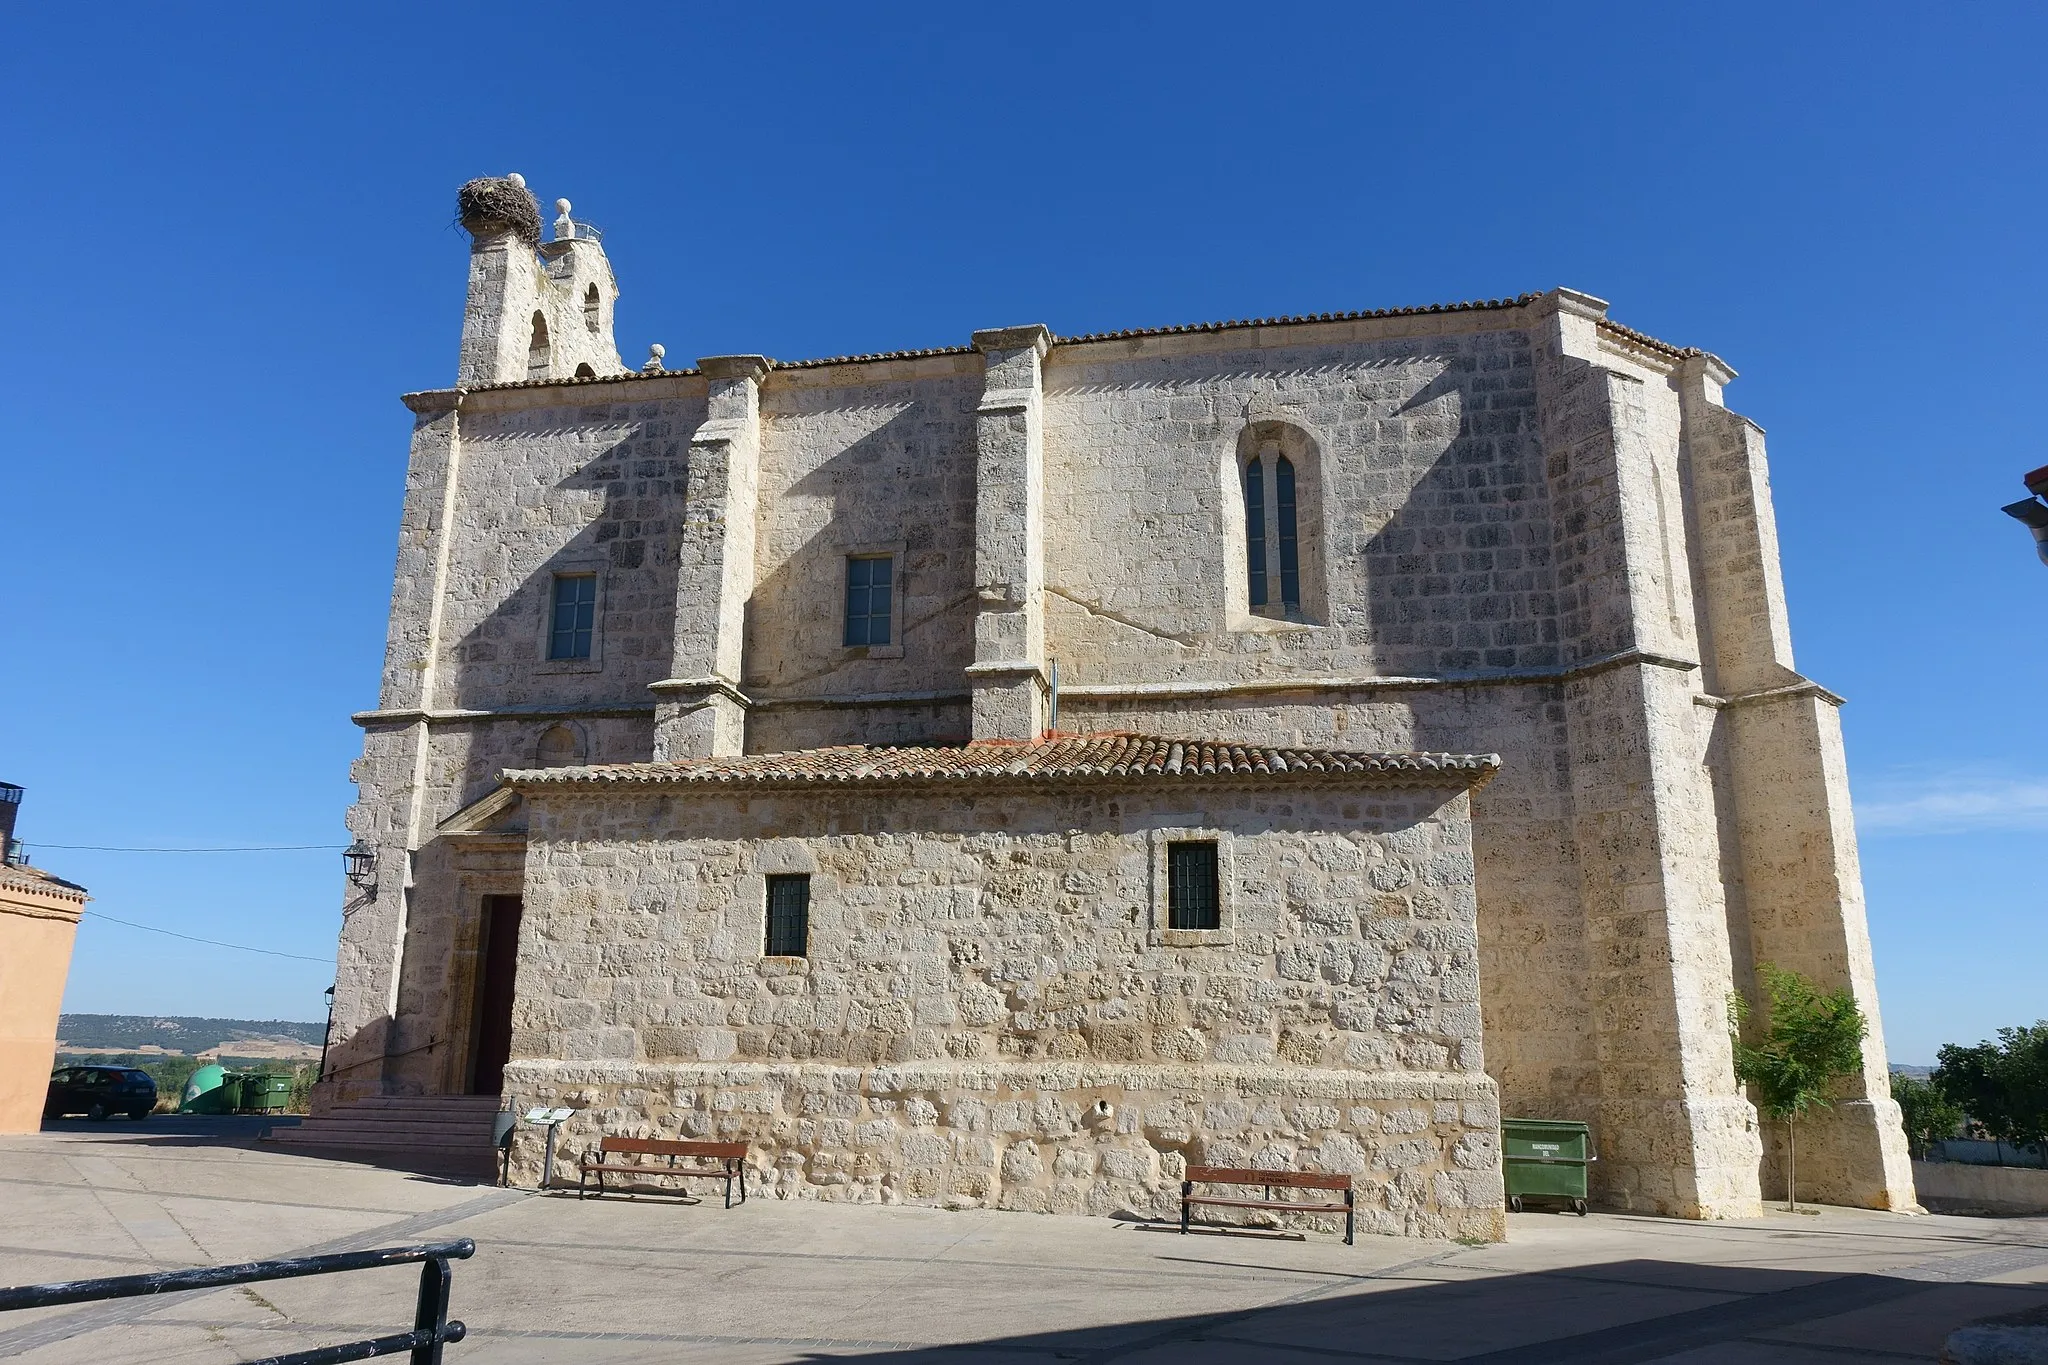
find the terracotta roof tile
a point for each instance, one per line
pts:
(1062, 758)
(35, 879)
(1469, 306)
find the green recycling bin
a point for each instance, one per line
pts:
(1546, 1159)
(229, 1095)
(267, 1092)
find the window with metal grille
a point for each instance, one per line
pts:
(869, 588)
(574, 616)
(1193, 899)
(789, 915)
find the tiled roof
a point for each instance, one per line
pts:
(824, 361)
(1472, 306)
(1062, 758)
(35, 879)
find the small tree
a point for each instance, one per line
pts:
(2002, 1085)
(1811, 1039)
(1930, 1116)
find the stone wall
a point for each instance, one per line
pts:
(872, 459)
(983, 969)
(1421, 462)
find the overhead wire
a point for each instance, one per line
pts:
(245, 848)
(211, 942)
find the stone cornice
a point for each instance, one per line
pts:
(539, 711)
(433, 402)
(1036, 336)
(1374, 682)
(698, 689)
(1805, 687)
(753, 367)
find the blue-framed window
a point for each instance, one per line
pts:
(789, 915)
(573, 616)
(1271, 485)
(1290, 549)
(870, 593)
(1255, 528)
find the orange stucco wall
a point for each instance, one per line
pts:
(35, 955)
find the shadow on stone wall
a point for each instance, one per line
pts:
(633, 539)
(906, 483)
(1461, 576)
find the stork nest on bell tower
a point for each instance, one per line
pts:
(491, 204)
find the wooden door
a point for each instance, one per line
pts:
(498, 959)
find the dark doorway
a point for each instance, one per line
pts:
(498, 960)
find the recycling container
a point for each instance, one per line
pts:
(267, 1092)
(205, 1092)
(1546, 1159)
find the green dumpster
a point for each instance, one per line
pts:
(231, 1085)
(1546, 1159)
(267, 1092)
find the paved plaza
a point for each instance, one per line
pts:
(655, 1280)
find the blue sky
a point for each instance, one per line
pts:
(232, 249)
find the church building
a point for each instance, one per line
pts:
(1009, 772)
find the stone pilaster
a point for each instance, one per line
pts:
(1786, 783)
(506, 284)
(1675, 1135)
(390, 777)
(700, 711)
(1008, 672)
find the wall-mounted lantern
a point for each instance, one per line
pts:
(360, 861)
(2033, 512)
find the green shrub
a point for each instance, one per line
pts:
(1930, 1116)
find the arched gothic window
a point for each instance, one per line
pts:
(1272, 539)
(537, 350)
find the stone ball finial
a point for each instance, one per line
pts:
(491, 206)
(654, 355)
(562, 207)
(517, 180)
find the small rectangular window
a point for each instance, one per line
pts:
(869, 588)
(573, 616)
(789, 915)
(1192, 897)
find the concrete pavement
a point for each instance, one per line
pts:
(655, 1280)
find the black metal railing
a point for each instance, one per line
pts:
(431, 1328)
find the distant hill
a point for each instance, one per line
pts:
(185, 1035)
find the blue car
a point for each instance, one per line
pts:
(100, 1092)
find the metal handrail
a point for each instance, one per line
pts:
(427, 1046)
(431, 1328)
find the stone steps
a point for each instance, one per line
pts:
(441, 1131)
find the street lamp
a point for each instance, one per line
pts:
(360, 860)
(2033, 511)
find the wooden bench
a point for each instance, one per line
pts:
(732, 1157)
(1292, 1180)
